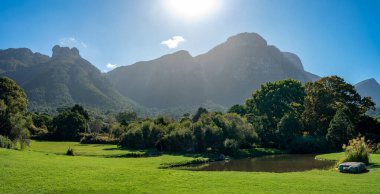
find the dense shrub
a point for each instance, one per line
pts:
(93, 138)
(178, 140)
(357, 150)
(231, 146)
(70, 152)
(308, 145)
(133, 138)
(6, 142)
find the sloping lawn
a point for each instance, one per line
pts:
(41, 170)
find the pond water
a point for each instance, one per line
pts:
(273, 163)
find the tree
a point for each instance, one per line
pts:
(325, 97)
(70, 123)
(288, 129)
(79, 109)
(125, 118)
(198, 114)
(13, 107)
(238, 109)
(270, 103)
(341, 128)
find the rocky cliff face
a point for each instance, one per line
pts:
(16, 59)
(225, 75)
(66, 79)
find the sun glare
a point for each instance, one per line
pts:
(192, 9)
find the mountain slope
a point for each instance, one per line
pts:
(65, 79)
(225, 75)
(369, 87)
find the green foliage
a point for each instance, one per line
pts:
(357, 150)
(341, 129)
(14, 123)
(208, 133)
(6, 142)
(270, 103)
(325, 97)
(70, 123)
(238, 109)
(198, 114)
(180, 139)
(231, 146)
(70, 152)
(369, 127)
(95, 138)
(288, 129)
(125, 118)
(308, 145)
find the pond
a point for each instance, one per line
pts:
(273, 163)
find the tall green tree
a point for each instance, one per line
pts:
(13, 108)
(341, 128)
(70, 123)
(288, 129)
(270, 103)
(325, 97)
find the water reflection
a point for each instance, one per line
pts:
(273, 163)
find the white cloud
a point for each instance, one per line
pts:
(111, 66)
(173, 42)
(72, 42)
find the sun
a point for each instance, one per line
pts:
(192, 9)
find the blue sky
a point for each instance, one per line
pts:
(332, 37)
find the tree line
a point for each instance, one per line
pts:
(302, 118)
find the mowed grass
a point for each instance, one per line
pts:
(79, 149)
(43, 169)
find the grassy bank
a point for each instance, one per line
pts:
(44, 169)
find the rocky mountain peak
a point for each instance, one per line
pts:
(65, 52)
(247, 39)
(368, 82)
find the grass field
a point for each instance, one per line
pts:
(44, 169)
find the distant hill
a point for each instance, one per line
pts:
(61, 80)
(369, 87)
(226, 75)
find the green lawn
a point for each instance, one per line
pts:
(43, 169)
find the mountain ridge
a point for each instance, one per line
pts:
(227, 74)
(66, 79)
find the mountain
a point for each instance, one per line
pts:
(16, 59)
(61, 80)
(225, 75)
(169, 81)
(369, 87)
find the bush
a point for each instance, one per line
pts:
(133, 138)
(231, 146)
(70, 152)
(378, 149)
(6, 142)
(308, 145)
(357, 150)
(93, 138)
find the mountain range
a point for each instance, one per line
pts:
(225, 75)
(61, 80)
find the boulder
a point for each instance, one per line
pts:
(352, 167)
